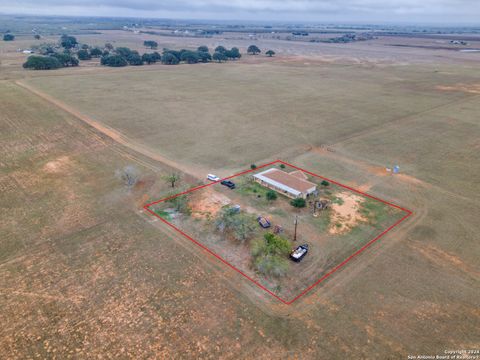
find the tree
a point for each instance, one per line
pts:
(271, 195)
(233, 53)
(85, 47)
(135, 59)
(220, 49)
(108, 46)
(37, 37)
(96, 52)
(204, 56)
(253, 50)
(203, 49)
(253, 166)
(36, 62)
(66, 59)
(129, 175)
(189, 57)
(172, 179)
(123, 51)
(180, 203)
(242, 226)
(325, 183)
(298, 203)
(282, 166)
(8, 37)
(218, 56)
(113, 60)
(84, 54)
(150, 44)
(169, 59)
(68, 42)
(270, 53)
(149, 58)
(270, 255)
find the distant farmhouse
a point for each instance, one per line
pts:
(293, 185)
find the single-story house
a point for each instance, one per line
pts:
(293, 185)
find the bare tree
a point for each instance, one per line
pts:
(129, 175)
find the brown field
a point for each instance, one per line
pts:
(85, 273)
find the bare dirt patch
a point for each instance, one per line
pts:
(57, 166)
(466, 88)
(346, 215)
(207, 203)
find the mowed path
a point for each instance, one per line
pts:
(115, 135)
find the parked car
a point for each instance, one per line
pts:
(228, 184)
(264, 223)
(299, 253)
(212, 177)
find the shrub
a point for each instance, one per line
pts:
(282, 166)
(135, 59)
(270, 255)
(325, 183)
(298, 203)
(203, 48)
(241, 225)
(96, 52)
(66, 59)
(253, 166)
(271, 195)
(270, 53)
(42, 63)
(169, 59)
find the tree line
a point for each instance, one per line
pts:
(70, 52)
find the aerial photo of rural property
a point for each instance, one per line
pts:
(289, 179)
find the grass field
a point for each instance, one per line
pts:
(83, 272)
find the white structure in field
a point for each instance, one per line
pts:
(293, 184)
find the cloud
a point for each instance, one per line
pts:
(322, 10)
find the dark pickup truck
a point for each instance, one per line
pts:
(228, 183)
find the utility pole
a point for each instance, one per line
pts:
(296, 223)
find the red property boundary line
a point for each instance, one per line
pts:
(328, 274)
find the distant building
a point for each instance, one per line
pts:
(293, 185)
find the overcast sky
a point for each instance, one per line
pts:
(361, 11)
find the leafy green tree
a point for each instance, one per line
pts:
(149, 58)
(219, 57)
(298, 203)
(157, 56)
(203, 49)
(235, 53)
(204, 56)
(8, 37)
(253, 50)
(37, 37)
(325, 183)
(242, 226)
(169, 59)
(135, 59)
(84, 54)
(150, 44)
(96, 52)
(253, 166)
(124, 51)
(172, 179)
(282, 166)
(220, 49)
(36, 62)
(271, 195)
(113, 60)
(270, 255)
(189, 57)
(108, 46)
(68, 42)
(270, 53)
(66, 59)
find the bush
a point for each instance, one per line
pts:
(204, 56)
(135, 59)
(123, 51)
(325, 183)
(282, 166)
(151, 44)
(220, 49)
(219, 56)
(189, 57)
(96, 52)
(8, 37)
(270, 53)
(202, 49)
(271, 195)
(42, 63)
(253, 166)
(241, 225)
(114, 61)
(68, 42)
(298, 203)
